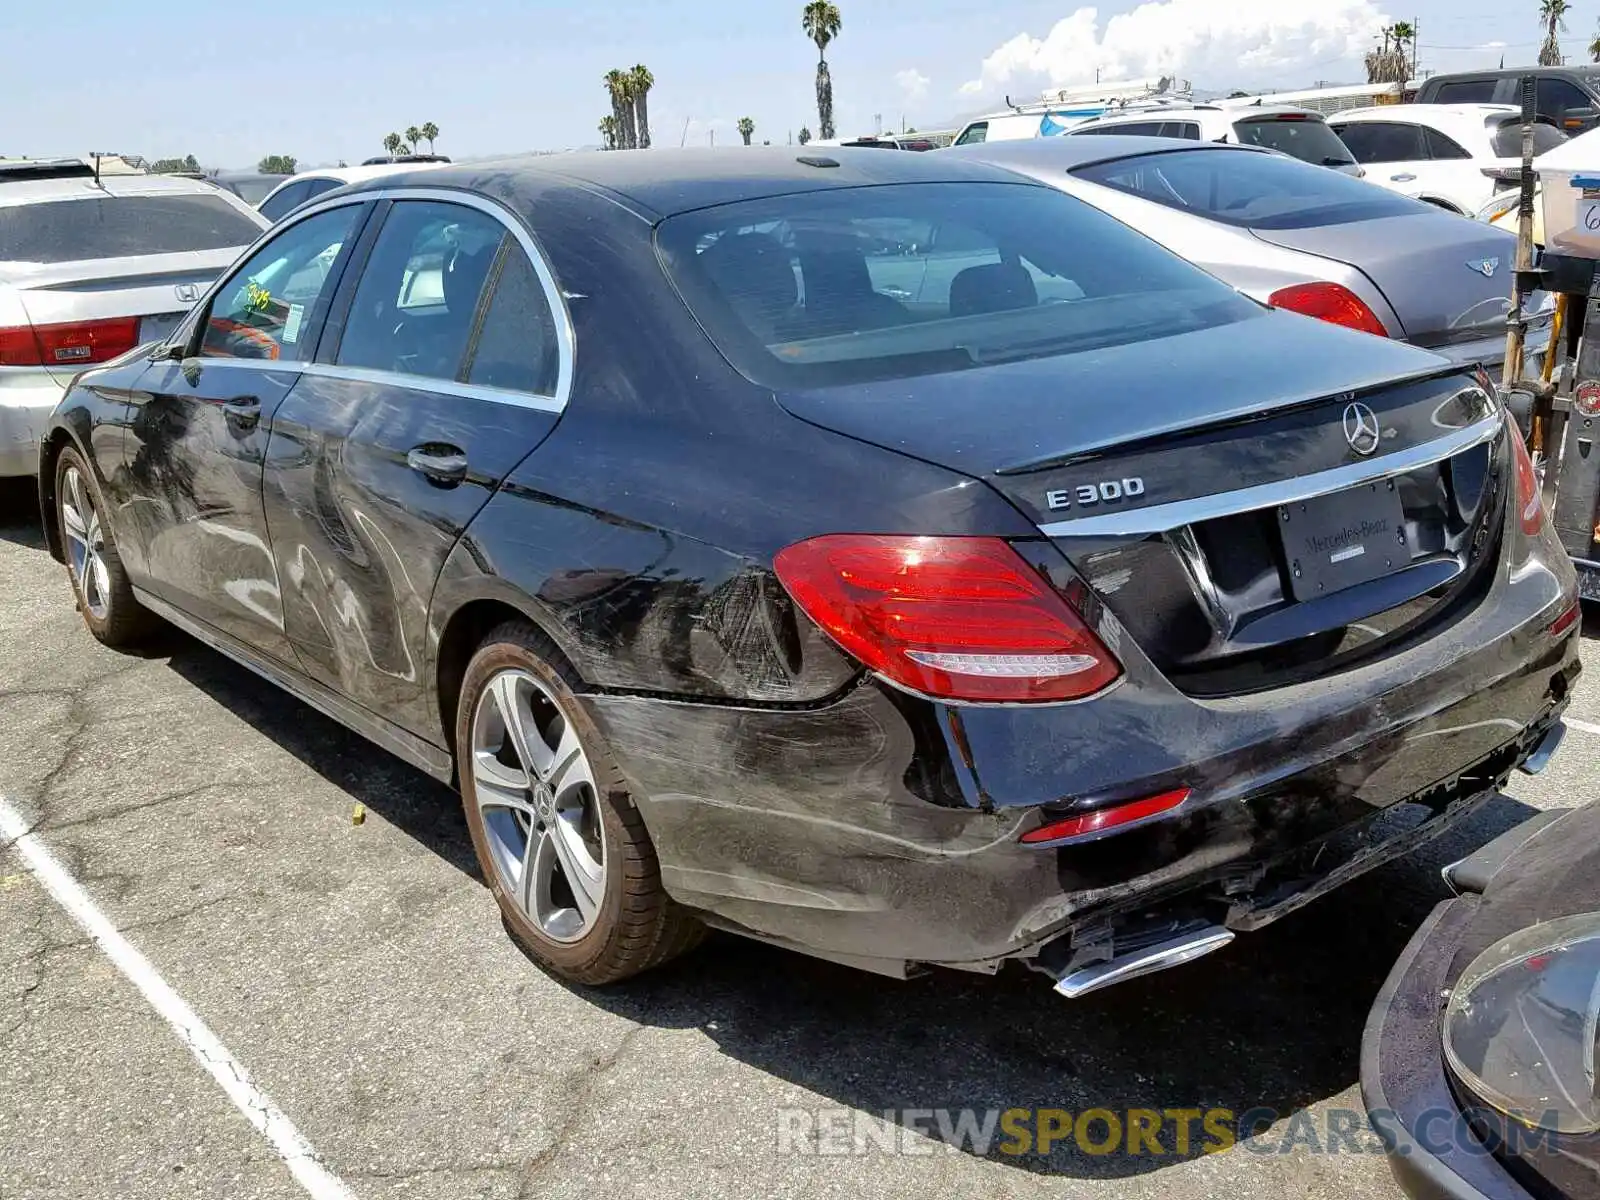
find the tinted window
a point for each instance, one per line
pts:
(1308, 139)
(280, 204)
(973, 134)
(791, 291)
(269, 308)
(251, 191)
(1256, 190)
(1442, 145)
(1556, 96)
(1383, 141)
(517, 348)
(121, 227)
(1181, 129)
(1131, 129)
(413, 309)
(315, 187)
(1508, 138)
(1465, 91)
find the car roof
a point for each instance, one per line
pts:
(661, 183)
(1068, 153)
(35, 191)
(1439, 116)
(1514, 72)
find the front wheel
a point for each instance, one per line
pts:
(104, 595)
(557, 836)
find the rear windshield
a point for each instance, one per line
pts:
(887, 282)
(1307, 138)
(120, 227)
(1260, 191)
(1508, 138)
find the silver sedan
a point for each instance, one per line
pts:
(1297, 236)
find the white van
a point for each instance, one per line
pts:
(1014, 126)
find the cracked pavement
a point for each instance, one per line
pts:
(360, 974)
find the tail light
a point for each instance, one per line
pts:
(75, 344)
(955, 618)
(1530, 505)
(1329, 302)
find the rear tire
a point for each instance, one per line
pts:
(558, 838)
(99, 584)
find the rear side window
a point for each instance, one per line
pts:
(315, 187)
(808, 291)
(1465, 91)
(1508, 138)
(1442, 145)
(974, 134)
(57, 231)
(1383, 141)
(278, 205)
(517, 347)
(1259, 191)
(1307, 138)
(414, 308)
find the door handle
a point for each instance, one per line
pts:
(242, 412)
(442, 465)
(1402, 179)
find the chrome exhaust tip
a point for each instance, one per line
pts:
(1545, 750)
(1172, 953)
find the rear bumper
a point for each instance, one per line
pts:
(26, 402)
(882, 830)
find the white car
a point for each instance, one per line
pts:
(1453, 155)
(1014, 126)
(91, 268)
(307, 185)
(1297, 132)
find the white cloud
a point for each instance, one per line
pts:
(1211, 42)
(913, 83)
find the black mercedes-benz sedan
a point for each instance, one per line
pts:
(881, 555)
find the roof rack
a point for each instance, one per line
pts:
(14, 170)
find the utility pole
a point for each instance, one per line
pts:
(1416, 52)
(713, 137)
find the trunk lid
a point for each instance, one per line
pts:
(1214, 497)
(1447, 279)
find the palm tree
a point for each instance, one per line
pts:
(608, 132)
(413, 136)
(803, 136)
(1594, 46)
(642, 82)
(1389, 65)
(429, 132)
(820, 21)
(392, 143)
(1553, 13)
(630, 121)
(616, 84)
(1403, 33)
(746, 127)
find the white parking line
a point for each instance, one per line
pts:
(1585, 726)
(229, 1073)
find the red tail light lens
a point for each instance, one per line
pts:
(1530, 505)
(1105, 820)
(1329, 302)
(1566, 620)
(75, 344)
(953, 618)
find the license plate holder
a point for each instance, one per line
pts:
(1343, 539)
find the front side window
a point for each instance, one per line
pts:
(798, 292)
(414, 307)
(267, 309)
(1374, 142)
(1558, 97)
(1262, 191)
(111, 226)
(974, 134)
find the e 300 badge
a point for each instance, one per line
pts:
(1106, 492)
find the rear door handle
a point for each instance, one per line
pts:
(440, 464)
(1402, 179)
(242, 412)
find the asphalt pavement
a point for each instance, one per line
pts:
(358, 978)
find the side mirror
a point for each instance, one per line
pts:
(1579, 118)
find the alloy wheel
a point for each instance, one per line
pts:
(535, 790)
(86, 544)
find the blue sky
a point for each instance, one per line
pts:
(327, 80)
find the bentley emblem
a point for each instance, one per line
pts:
(1485, 267)
(1361, 428)
(188, 292)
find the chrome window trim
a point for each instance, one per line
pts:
(566, 341)
(1163, 518)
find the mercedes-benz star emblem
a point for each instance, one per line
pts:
(1361, 428)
